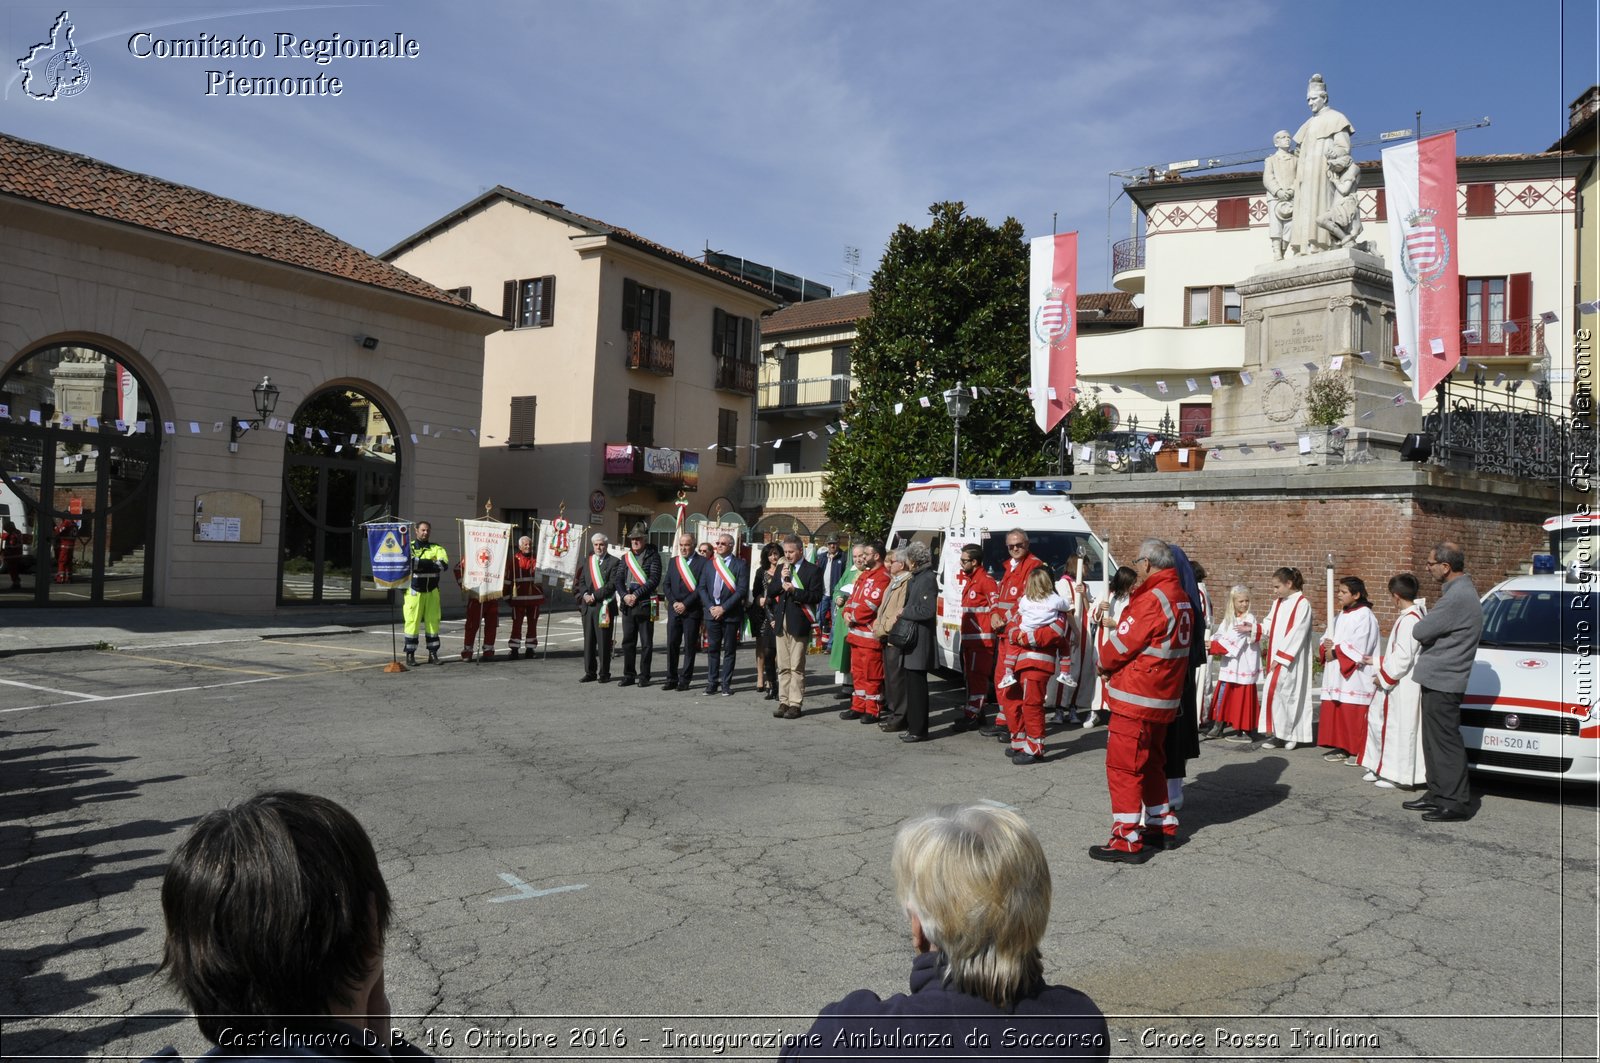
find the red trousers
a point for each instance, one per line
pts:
(977, 667)
(1136, 776)
(866, 676)
(524, 611)
(1027, 732)
(1010, 698)
(489, 614)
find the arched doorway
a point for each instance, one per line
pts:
(80, 450)
(341, 467)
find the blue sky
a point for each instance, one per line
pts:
(784, 132)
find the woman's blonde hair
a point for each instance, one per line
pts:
(975, 876)
(1040, 585)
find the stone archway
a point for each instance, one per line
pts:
(341, 467)
(80, 449)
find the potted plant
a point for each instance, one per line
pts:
(1186, 456)
(1086, 423)
(1327, 403)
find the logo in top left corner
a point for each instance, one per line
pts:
(55, 69)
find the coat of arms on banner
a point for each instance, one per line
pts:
(1427, 250)
(557, 561)
(483, 557)
(1052, 322)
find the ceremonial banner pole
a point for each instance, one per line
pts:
(389, 551)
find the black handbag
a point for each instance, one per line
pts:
(903, 635)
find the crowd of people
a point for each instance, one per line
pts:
(1030, 640)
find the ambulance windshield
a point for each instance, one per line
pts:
(1058, 549)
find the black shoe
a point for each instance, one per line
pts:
(1118, 856)
(1421, 804)
(587, 679)
(772, 695)
(411, 659)
(912, 738)
(779, 712)
(792, 712)
(963, 725)
(990, 730)
(1023, 759)
(515, 653)
(709, 692)
(627, 681)
(1157, 839)
(849, 714)
(644, 680)
(433, 657)
(605, 679)
(672, 683)
(868, 718)
(891, 726)
(1446, 815)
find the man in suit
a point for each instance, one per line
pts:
(684, 575)
(793, 608)
(595, 588)
(722, 594)
(638, 577)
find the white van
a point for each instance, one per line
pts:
(947, 514)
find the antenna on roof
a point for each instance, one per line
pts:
(852, 264)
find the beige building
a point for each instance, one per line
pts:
(625, 371)
(805, 380)
(137, 321)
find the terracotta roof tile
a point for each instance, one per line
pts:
(1118, 308)
(844, 309)
(63, 179)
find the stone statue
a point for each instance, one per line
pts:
(1279, 176)
(1324, 135)
(1342, 221)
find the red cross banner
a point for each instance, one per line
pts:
(484, 545)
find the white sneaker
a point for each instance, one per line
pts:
(1385, 784)
(1370, 776)
(1291, 745)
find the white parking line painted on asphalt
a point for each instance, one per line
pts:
(51, 690)
(93, 698)
(525, 891)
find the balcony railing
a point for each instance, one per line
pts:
(822, 391)
(1513, 433)
(785, 491)
(1127, 254)
(737, 376)
(650, 353)
(1515, 338)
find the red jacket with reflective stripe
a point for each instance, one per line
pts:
(1012, 582)
(978, 593)
(1146, 657)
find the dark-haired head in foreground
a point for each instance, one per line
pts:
(276, 914)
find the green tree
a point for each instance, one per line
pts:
(949, 303)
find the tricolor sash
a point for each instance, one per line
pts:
(685, 573)
(724, 573)
(634, 568)
(596, 581)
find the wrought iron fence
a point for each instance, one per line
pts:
(1515, 431)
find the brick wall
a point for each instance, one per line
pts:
(1373, 537)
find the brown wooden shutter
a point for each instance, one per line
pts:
(547, 305)
(1480, 200)
(718, 323)
(1519, 308)
(1380, 209)
(509, 307)
(524, 409)
(630, 305)
(647, 419)
(1233, 213)
(746, 339)
(664, 314)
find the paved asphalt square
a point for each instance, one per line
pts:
(575, 860)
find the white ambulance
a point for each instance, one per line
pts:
(1530, 709)
(947, 514)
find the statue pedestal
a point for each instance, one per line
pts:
(1305, 311)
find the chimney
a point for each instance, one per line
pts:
(1582, 108)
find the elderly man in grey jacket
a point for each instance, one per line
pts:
(1449, 637)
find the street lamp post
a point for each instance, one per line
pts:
(956, 402)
